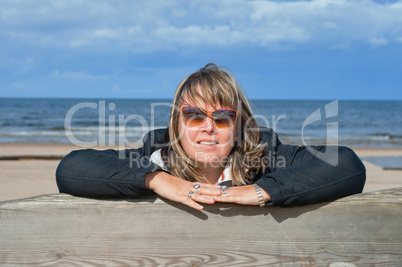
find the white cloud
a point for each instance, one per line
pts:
(377, 41)
(146, 26)
(80, 75)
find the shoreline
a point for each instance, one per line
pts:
(19, 148)
(27, 177)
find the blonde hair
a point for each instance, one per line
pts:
(219, 87)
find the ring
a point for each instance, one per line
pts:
(196, 186)
(190, 194)
(224, 189)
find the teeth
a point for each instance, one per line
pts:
(207, 143)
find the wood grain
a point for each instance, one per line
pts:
(64, 230)
(31, 157)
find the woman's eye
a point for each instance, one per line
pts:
(198, 115)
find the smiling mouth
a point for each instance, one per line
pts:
(207, 143)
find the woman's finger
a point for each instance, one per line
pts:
(245, 195)
(206, 189)
(193, 204)
(227, 198)
(209, 191)
(193, 198)
(204, 185)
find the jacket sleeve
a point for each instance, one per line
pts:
(302, 175)
(108, 173)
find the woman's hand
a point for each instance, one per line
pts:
(176, 189)
(245, 195)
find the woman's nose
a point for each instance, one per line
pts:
(208, 125)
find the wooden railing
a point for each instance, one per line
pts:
(59, 229)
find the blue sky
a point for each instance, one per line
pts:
(326, 49)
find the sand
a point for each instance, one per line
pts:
(31, 177)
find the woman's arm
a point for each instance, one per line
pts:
(305, 179)
(93, 173)
(109, 173)
(306, 175)
(300, 175)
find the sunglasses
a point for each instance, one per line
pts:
(194, 116)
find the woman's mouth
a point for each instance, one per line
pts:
(208, 143)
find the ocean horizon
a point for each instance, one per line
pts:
(108, 121)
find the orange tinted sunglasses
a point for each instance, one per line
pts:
(193, 116)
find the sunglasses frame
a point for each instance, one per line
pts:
(208, 115)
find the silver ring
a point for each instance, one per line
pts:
(196, 186)
(190, 194)
(224, 190)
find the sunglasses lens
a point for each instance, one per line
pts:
(193, 116)
(224, 118)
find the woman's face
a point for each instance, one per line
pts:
(206, 144)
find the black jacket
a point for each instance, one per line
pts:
(297, 175)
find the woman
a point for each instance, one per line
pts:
(214, 151)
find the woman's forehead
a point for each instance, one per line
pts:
(201, 103)
(201, 98)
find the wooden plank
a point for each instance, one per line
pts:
(60, 229)
(31, 157)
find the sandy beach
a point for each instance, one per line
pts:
(30, 177)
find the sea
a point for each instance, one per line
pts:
(110, 122)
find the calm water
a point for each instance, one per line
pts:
(354, 123)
